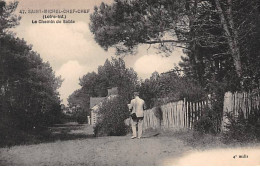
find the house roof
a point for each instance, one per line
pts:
(95, 100)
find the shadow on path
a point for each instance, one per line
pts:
(58, 132)
(69, 131)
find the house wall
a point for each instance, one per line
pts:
(93, 117)
(95, 101)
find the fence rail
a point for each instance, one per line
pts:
(240, 104)
(150, 120)
(183, 114)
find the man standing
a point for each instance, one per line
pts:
(137, 105)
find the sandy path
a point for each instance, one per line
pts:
(96, 151)
(154, 149)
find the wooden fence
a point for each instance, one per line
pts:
(183, 114)
(240, 104)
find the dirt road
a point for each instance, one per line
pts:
(151, 150)
(96, 151)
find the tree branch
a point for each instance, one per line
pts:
(164, 41)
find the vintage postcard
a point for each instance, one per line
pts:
(129, 83)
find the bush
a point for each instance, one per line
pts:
(81, 117)
(10, 136)
(242, 130)
(111, 116)
(65, 118)
(207, 124)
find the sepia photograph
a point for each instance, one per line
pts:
(130, 83)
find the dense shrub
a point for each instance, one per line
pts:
(240, 129)
(10, 136)
(65, 118)
(81, 116)
(207, 123)
(29, 95)
(111, 116)
(169, 87)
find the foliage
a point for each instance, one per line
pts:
(79, 98)
(247, 21)
(218, 50)
(220, 38)
(29, 99)
(111, 115)
(81, 116)
(112, 74)
(65, 118)
(125, 24)
(169, 87)
(207, 123)
(208, 59)
(241, 129)
(115, 74)
(29, 87)
(212, 116)
(9, 19)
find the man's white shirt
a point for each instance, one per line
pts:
(137, 106)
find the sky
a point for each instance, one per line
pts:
(70, 48)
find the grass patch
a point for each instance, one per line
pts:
(11, 137)
(195, 139)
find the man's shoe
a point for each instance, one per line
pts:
(133, 137)
(139, 137)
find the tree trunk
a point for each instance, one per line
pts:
(231, 34)
(235, 40)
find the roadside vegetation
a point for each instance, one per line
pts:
(220, 41)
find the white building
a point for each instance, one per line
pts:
(96, 102)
